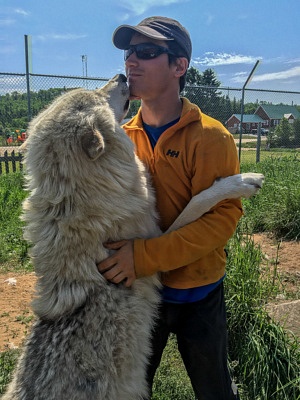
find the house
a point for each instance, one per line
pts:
(273, 113)
(250, 122)
(290, 118)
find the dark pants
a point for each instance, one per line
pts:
(201, 333)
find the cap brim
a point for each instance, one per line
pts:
(123, 34)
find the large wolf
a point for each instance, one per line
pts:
(86, 187)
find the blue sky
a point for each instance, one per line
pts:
(228, 36)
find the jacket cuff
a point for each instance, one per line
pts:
(142, 267)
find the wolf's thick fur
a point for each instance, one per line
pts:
(91, 337)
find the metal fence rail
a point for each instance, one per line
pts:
(222, 103)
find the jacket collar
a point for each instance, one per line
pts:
(190, 113)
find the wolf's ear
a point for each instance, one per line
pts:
(92, 143)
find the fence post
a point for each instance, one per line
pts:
(258, 142)
(28, 62)
(242, 106)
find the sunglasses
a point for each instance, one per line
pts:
(146, 51)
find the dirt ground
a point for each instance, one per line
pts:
(16, 291)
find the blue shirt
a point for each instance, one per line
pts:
(180, 296)
(154, 133)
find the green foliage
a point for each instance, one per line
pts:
(8, 361)
(264, 357)
(250, 108)
(202, 89)
(194, 77)
(14, 107)
(296, 127)
(206, 78)
(283, 133)
(277, 207)
(171, 380)
(133, 109)
(12, 247)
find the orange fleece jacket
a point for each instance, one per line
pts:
(187, 159)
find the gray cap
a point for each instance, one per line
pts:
(159, 28)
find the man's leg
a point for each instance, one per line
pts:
(202, 342)
(159, 340)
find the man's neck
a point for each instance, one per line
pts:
(158, 113)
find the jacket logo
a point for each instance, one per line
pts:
(172, 153)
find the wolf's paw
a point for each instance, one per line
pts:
(252, 182)
(239, 185)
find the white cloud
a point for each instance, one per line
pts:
(7, 49)
(22, 12)
(10, 84)
(10, 19)
(293, 61)
(281, 75)
(141, 6)
(209, 18)
(211, 59)
(271, 76)
(57, 36)
(7, 22)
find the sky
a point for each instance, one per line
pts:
(228, 36)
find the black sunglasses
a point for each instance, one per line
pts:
(146, 51)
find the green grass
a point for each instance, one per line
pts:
(13, 249)
(277, 207)
(171, 380)
(8, 361)
(264, 359)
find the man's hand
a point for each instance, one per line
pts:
(119, 267)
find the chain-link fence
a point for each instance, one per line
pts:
(262, 121)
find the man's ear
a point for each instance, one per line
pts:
(181, 65)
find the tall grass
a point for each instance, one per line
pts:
(13, 249)
(277, 208)
(264, 359)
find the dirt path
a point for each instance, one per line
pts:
(16, 291)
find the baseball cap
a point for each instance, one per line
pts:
(159, 28)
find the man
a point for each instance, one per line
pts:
(185, 151)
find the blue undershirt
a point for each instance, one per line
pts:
(171, 295)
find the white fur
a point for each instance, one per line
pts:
(231, 187)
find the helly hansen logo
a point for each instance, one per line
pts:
(172, 153)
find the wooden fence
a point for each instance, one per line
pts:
(10, 163)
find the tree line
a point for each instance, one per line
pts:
(14, 108)
(202, 88)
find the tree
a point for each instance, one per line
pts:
(250, 108)
(194, 77)
(296, 128)
(133, 109)
(209, 78)
(202, 89)
(283, 133)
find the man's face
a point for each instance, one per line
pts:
(147, 79)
